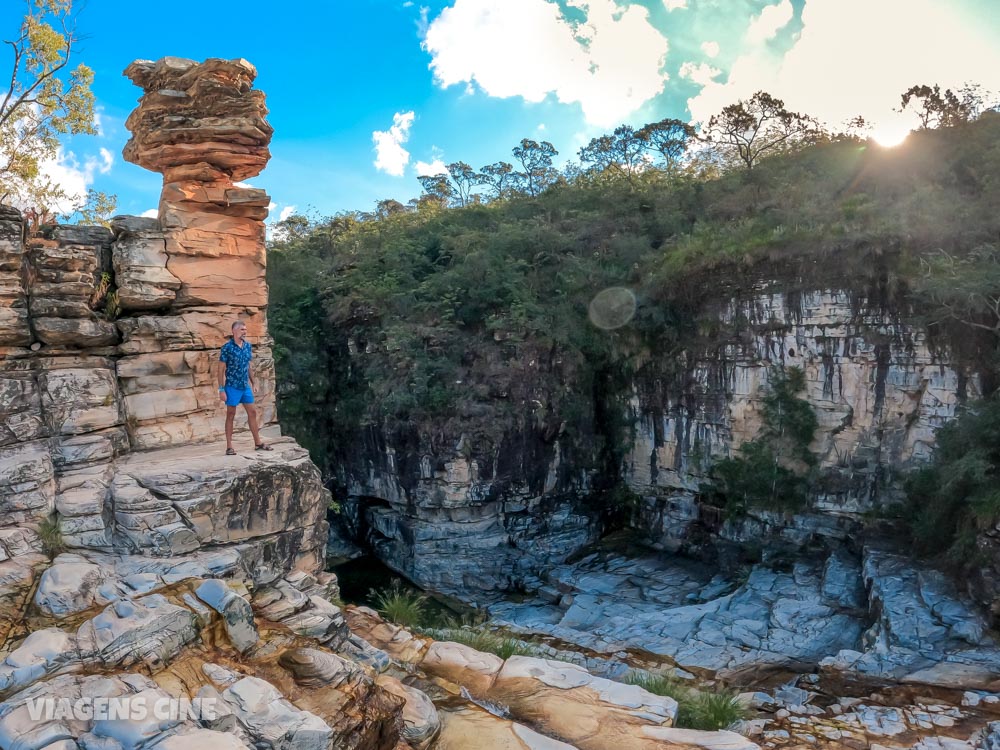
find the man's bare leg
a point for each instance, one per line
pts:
(230, 416)
(252, 421)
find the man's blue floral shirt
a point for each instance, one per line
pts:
(237, 359)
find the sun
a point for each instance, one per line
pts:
(890, 133)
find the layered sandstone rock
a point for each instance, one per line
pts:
(109, 340)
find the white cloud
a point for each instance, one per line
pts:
(390, 156)
(150, 213)
(286, 212)
(611, 63)
(701, 73)
(425, 169)
(772, 19)
(711, 49)
(65, 171)
(930, 43)
(675, 4)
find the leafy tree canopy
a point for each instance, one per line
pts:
(759, 126)
(46, 100)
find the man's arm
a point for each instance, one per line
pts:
(222, 380)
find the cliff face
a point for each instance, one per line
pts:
(464, 522)
(878, 386)
(110, 339)
(468, 522)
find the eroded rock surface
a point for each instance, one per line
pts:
(884, 617)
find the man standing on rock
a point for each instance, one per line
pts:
(236, 385)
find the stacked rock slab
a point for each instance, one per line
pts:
(109, 340)
(202, 126)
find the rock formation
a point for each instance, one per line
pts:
(111, 336)
(880, 388)
(109, 448)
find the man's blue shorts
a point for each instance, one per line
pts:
(237, 396)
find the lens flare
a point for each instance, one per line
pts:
(612, 308)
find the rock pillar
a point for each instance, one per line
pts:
(202, 125)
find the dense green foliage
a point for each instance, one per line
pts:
(696, 709)
(401, 605)
(958, 494)
(772, 470)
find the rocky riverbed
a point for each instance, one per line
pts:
(861, 650)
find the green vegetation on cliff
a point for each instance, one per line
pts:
(957, 497)
(772, 470)
(473, 321)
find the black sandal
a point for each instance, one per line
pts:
(230, 451)
(263, 447)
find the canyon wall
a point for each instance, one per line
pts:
(468, 522)
(110, 418)
(879, 387)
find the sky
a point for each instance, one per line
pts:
(364, 95)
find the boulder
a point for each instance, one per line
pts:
(42, 653)
(398, 642)
(361, 713)
(149, 630)
(269, 719)
(462, 665)
(237, 614)
(471, 726)
(72, 584)
(565, 701)
(421, 724)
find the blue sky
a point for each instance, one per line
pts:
(479, 75)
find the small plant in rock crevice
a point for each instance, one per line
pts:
(112, 306)
(696, 709)
(50, 536)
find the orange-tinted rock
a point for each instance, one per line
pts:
(195, 115)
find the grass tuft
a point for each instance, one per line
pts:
(50, 536)
(400, 605)
(482, 640)
(696, 709)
